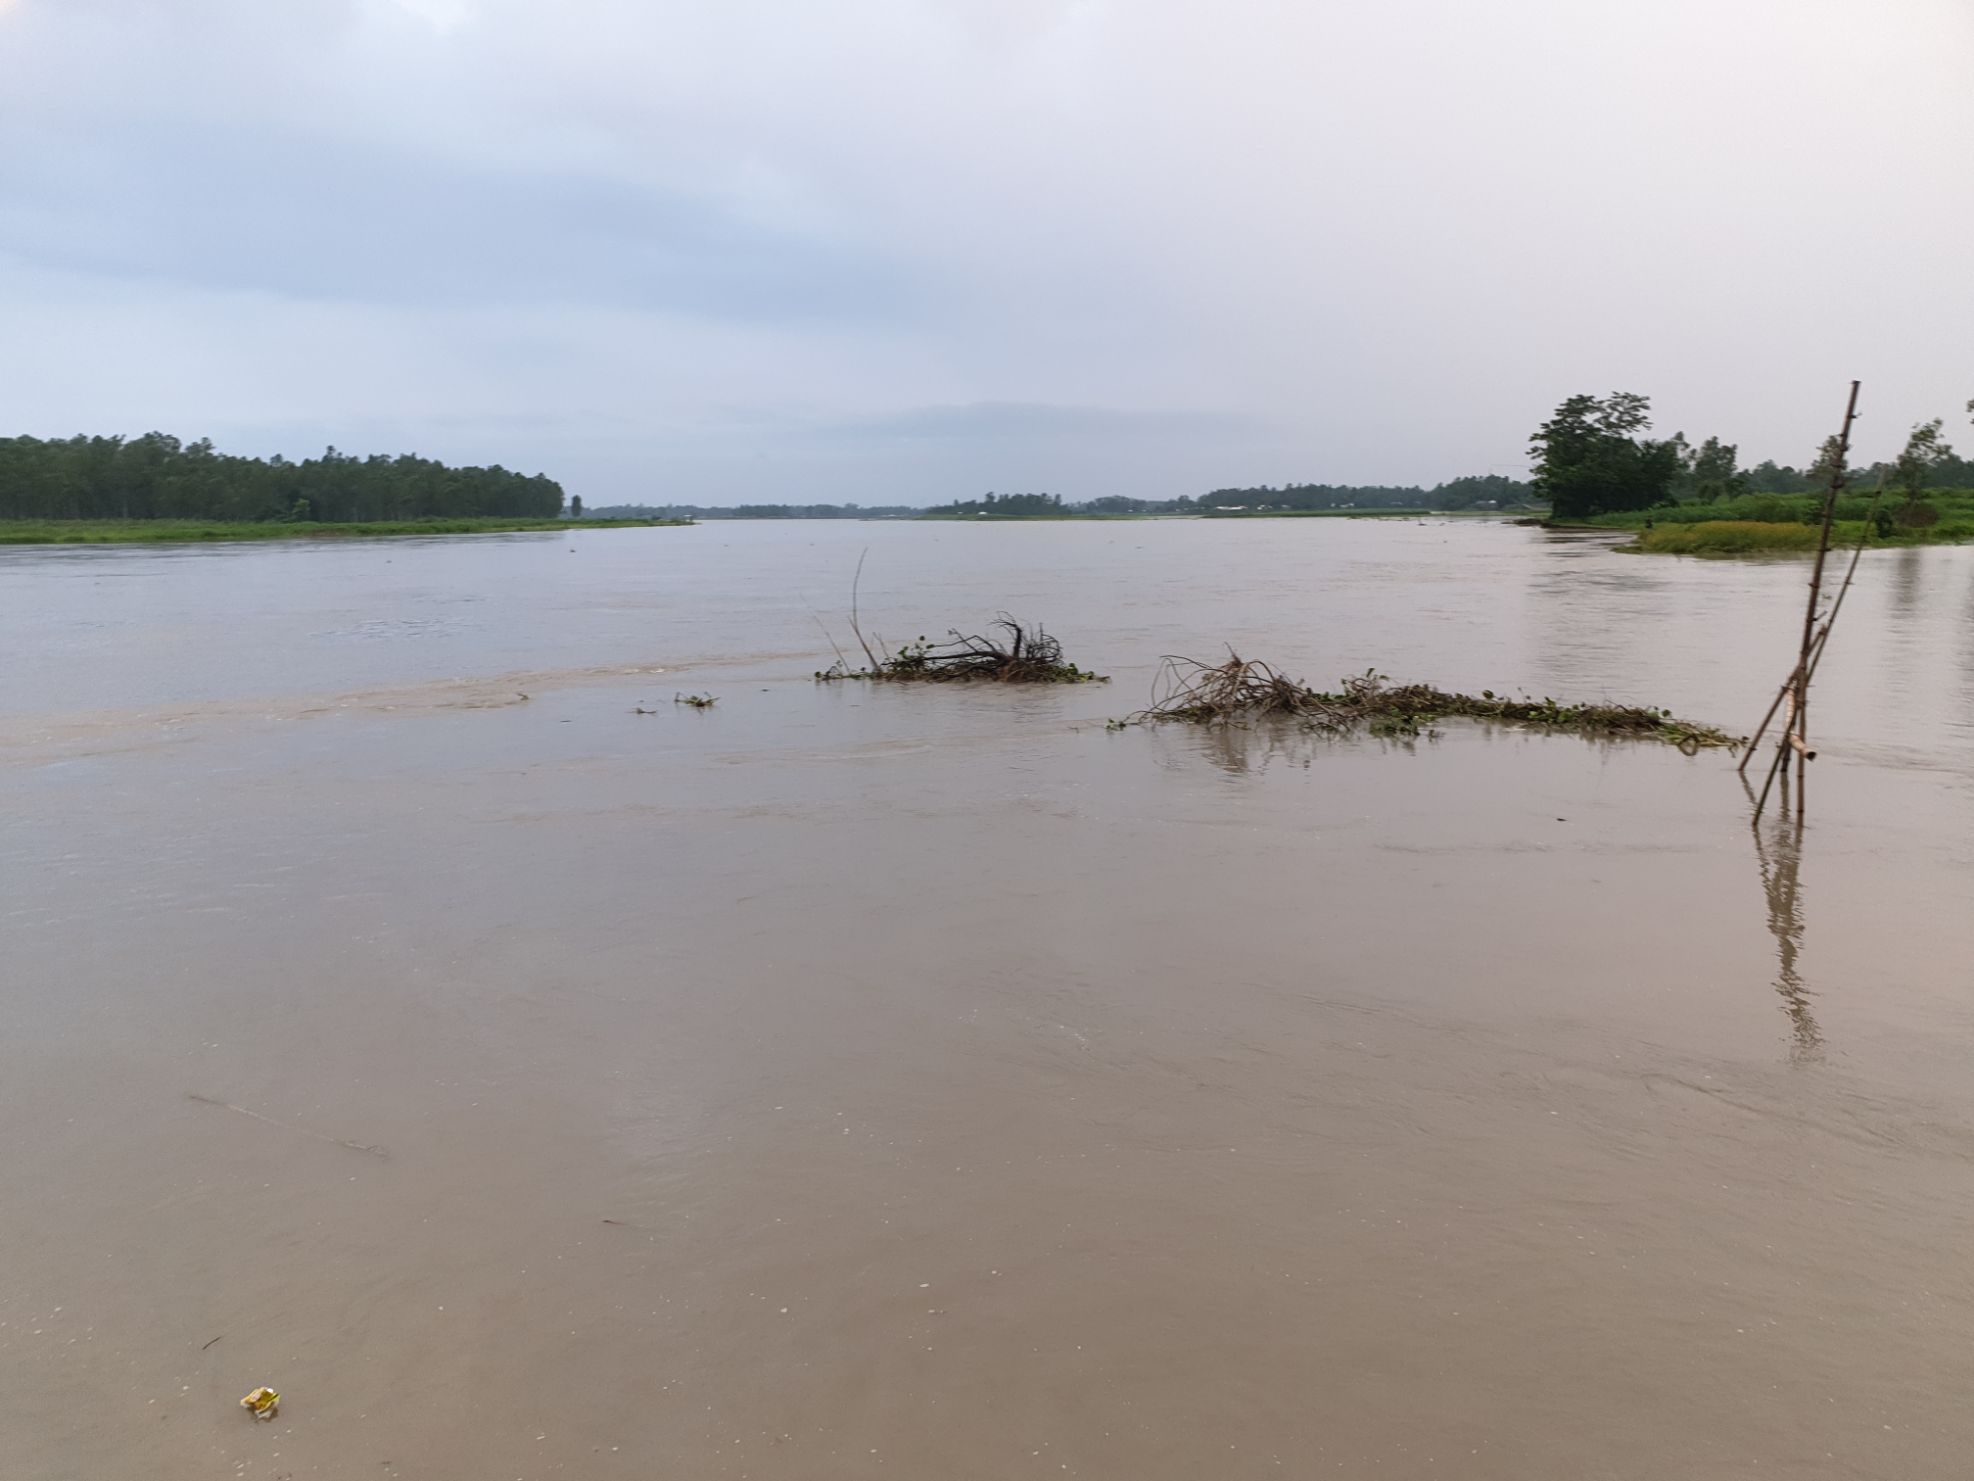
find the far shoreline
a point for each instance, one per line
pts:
(937, 516)
(194, 531)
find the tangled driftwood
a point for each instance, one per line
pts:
(1242, 690)
(1015, 655)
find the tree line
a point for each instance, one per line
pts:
(1008, 504)
(1489, 491)
(158, 477)
(1591, 458)
(579, 510)
(1483, 491)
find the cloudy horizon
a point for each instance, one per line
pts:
(897, 251)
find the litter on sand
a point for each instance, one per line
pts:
(262, 1403)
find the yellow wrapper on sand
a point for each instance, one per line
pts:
(261, 1403)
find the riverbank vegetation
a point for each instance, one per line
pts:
(1790, 523)
(1488, 493)
(693, 513)
(1491, 492)
(1596, 469)
(1242, 691)
(157, 477)
(175, 531)
(1731, 537)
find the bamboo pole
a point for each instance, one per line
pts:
(1822, 633)
(1778, 767)
(1762, 729)
(1795, 729)
(1823, 637)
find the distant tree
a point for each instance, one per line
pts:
(1006, 505)
(1917, 469)
(1827, 464)
(1767, 477)
(1714, 472)
(1317, 496)
(1475, 490)
(576, 507)
(1683, 478)
(1588, 460)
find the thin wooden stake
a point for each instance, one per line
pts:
(1795, 689)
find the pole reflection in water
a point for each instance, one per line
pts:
(1779, 851)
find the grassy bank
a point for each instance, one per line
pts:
(1735, 537)
(1786, 523)
(151, 531)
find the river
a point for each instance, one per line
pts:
(844, 1082)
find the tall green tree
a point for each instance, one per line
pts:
(1916, 469)
(1589, 460)
(1683, 456)
(1715, 472)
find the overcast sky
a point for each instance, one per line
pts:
(908, 250)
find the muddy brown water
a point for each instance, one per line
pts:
(841, 1083)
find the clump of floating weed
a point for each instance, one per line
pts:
(1241, 690)
(1373, 697)
(697, 701)
(1014, 654)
